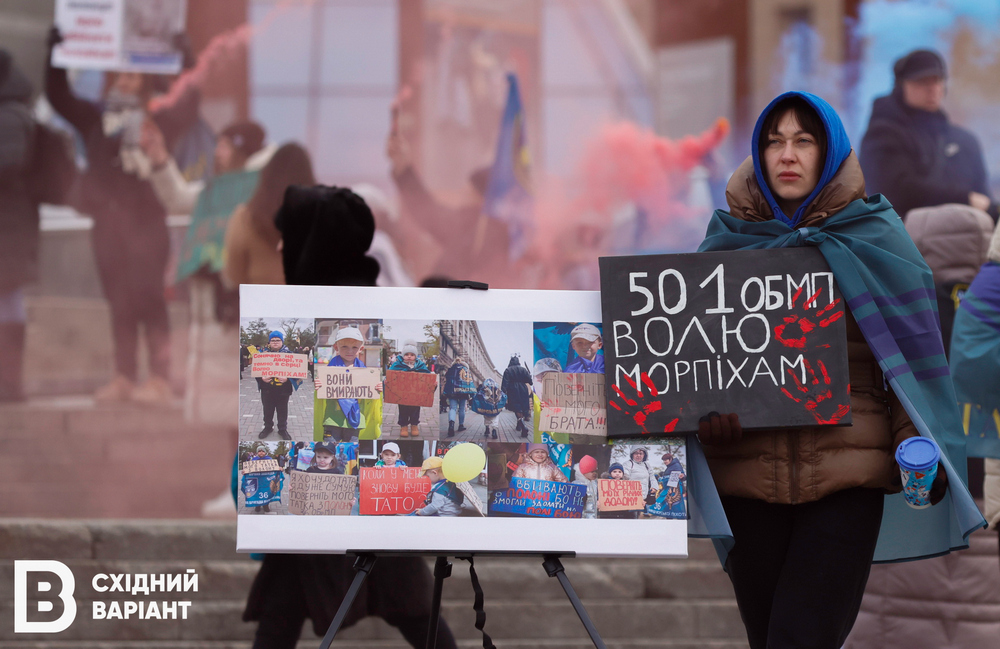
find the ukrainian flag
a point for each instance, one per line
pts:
(508, 195)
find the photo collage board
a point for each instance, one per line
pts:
(343, 414)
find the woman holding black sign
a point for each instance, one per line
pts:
(806, 505)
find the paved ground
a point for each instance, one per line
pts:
(390, 422)
(300, 412)
(475, 427)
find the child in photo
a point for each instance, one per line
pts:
(617, 472)
(539, 466)
(409, 416)
(260, 453)
(542, 367)
(389, 457)
(345, 420)
(275, 392)
(325, 459)
(489, 402)
(586, 475)
(586, 341)
(444, 498)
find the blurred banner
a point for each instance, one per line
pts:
(125, 35)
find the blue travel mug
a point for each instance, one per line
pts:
(918, 459)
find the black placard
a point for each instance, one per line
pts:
(761, 333)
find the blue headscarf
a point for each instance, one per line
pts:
(838, 147)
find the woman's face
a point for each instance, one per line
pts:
(792, 161)
(637, 456)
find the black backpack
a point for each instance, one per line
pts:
(53, 166)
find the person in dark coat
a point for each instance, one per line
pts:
(18, 221)
(517, 386)
(129, 237)
(912, 154)
(292, 587)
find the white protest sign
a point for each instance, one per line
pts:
(348, 382)
(260, 466)
(574, 403)
(125, 35)
(287, 366)
(320, 494)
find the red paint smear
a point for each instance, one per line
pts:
(812, 299)
(822, 369)
(806, 325)
(653, 406)
(828, 307)
(795, 378)
(628, 379)
(833, 318)
(795, 297)
(622, 395)
(649, 384)
(835, 418)
(614, 405)
(797, 343)
(790, 395)
(669, 428)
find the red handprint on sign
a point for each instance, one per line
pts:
(813, 391)
(644, 406)
(816, 392)
(803, 323)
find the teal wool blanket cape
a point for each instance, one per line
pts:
(890, 292)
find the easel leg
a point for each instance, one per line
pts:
(442, 570)
(554, 568)
(362, 565)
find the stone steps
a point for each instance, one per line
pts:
(677, 604)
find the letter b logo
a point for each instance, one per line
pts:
(65, 575)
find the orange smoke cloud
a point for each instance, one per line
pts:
(625, 170)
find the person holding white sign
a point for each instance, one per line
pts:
(345, 420)
(129, 237)
(275, 392)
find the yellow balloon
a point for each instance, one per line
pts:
(463, 462)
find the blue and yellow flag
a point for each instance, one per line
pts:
(975, 362)
(508, 196)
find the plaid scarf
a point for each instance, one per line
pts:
(890, 292)
(975, 362)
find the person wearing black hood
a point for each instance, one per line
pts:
(517, 386)
(326, 232)
(18, 221)
(912, 154)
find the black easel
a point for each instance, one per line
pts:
(442, 570)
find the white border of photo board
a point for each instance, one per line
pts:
(339, 534)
